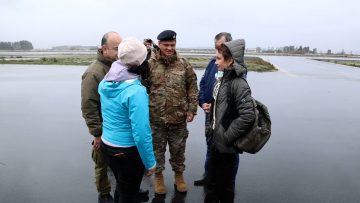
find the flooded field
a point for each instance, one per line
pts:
(312, 156)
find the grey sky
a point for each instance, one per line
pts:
(322, 24)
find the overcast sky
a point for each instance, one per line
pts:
(322, 24)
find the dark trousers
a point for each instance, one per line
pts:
(206, 165)
(128, 170)
(219, 185)
(208, 154)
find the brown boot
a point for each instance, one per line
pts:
(159, 184)
(180, 182)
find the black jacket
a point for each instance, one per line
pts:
(234, 115)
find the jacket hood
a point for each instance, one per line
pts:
(236, 70)
(112, 89)
(239, 69)
(237, 49)
(119, 72)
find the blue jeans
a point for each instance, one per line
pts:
(208, 155)
(128, 170)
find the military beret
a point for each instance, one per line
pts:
(167, 35)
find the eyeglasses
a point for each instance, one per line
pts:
(115, 48)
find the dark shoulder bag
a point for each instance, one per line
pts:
(257, 136)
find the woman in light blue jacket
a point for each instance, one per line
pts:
(126, 139)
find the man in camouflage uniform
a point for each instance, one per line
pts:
(173, 102)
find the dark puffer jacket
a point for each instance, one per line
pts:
(234, 116)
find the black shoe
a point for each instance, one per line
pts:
(201, 181)
(143, 196)
(143, 193)
(106, 198)
(159, 198)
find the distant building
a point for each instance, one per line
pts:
(251, 50)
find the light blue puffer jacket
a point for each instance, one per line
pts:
(125, 112)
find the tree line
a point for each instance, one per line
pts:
(21, 45)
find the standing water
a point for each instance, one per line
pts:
(312, 156)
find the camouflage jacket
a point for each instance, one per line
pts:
(173, 89)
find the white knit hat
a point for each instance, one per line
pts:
(132, 52)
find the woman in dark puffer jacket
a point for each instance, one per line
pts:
(232, 116)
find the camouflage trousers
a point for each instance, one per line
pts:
(175, 135)
(102, 182)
